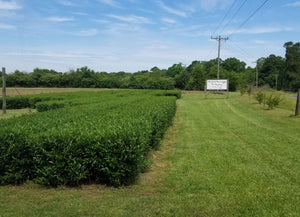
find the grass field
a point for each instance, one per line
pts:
(221, 158)
(16, 112)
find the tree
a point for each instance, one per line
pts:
(175, 70)
(197, 78)
(182, 79)
(207, 65)
(292, 72)
(233, 78)
(271, 71)
(234, 64)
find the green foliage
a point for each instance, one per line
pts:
(234, 64)
(270, 69)
(176, 93)
(29, 101)
(197, 78)
(249, 90)
(179, 76)
(16, 102)
(260, 96)
(273, 101)
(175, 70)
(292, 73)
(233, 78)
(242, 90)
(46, 106)
(104, 138)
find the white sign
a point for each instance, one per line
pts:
(221, 84)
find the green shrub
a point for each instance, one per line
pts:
(33, 100)
(260, 96)
(104, 139)
(51, 105)
(242, 91)
(249, 90)
(16, 102)
(176, 93)
(273, 101)
(19, 102)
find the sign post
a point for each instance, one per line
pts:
(217, 85)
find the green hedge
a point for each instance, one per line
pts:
(176, 93)
(29, 101)
(46, 106)
(104, 141)
(16, 102)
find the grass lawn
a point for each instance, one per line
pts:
(16, 112)
(221, 158)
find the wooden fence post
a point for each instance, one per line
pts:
(3, 92)
(298, 103)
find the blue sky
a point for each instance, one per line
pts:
(133, 35)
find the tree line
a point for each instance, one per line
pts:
(281, 73)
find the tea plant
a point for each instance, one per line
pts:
(98, 137)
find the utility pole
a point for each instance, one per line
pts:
(256, 77)
(298, 103)
(3, 92)
(276, 80)
(219, 48)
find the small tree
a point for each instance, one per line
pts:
(273, 101)
(259, 96)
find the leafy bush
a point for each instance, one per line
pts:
(176, 93)
(104, 139)
(19, 102)
(273, 101)
(242, 90)
(16, 102)
(260, 96)
(46, 106)
(249, 90)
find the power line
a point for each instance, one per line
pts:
(238, 10)
(251, 15)
(227, 13)
(243, 50)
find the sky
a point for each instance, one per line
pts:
(134, 35)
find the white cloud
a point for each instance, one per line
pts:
(101, 21)
(12, 5)
(67, 3)
(60, 19)
(109, 2)
(171, 10)
(259, 30)
(209, 5)
(294, 4)
(169, 20)
(80, 13)
(34, 53)
(188, 31)
(131, 19)
(88, 32)
(6, 26)
(119, 29)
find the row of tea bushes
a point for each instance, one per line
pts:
(30, 101)
(103, 138)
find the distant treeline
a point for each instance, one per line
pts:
(275, 71)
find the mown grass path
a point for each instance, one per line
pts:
(236, 160)
(221, 158)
